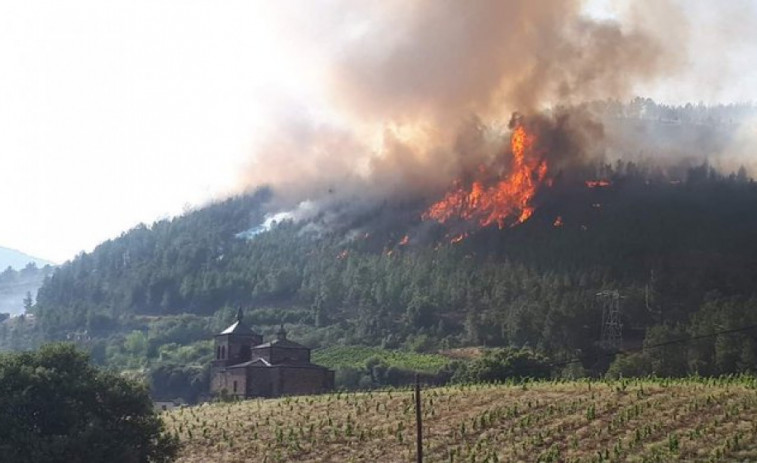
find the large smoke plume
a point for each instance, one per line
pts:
(418, 94)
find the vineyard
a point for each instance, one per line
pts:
(356, 357)
(654, 420)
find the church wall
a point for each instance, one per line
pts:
(279, 355)
(236, 349)
(233, 381)
(262, 353)
(298, 381)
(259, 382)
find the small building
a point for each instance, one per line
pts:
(246, 367)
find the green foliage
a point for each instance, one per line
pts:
(136, 344)
(172, 381)
(365, 367)
(56, 407)
(666, 357)
(504, 364)
(177, 282)
(629, 366)
(368, 357)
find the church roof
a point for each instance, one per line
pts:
(281, 343)
(254, 362)
(238, 327)
(287, 363)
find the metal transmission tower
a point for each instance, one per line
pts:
(612, 328)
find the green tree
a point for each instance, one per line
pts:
(57, 407)
(670, 358)
(503, 364)
(28, 302)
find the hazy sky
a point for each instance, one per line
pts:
(119, 112)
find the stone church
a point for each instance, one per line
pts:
(246, 367)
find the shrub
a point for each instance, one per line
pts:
(503, 364)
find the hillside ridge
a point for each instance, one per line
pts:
(18, 260)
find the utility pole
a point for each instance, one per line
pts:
(418, 421)
(611, 338)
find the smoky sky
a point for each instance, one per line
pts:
(418, 94)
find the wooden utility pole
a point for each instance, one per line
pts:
(418, 420)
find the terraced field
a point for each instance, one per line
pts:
(629, 420)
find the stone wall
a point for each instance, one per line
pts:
(233, 381)
(298, 381)
(260, 382)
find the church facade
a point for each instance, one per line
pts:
(245, 366)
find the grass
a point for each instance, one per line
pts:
(356, 356)
(632, 420)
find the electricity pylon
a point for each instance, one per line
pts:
(611, 338)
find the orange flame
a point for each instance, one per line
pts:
(558, 221)
(598, 183)
(508, 200)
(458, 238)
(405, 240)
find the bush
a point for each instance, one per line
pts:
(629, 366)
(503, 364)
(347, 377)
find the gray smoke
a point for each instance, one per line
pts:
(422, 92)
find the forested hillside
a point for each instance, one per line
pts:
(679, 253)
(678, 246)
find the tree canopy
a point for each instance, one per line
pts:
(56, 407)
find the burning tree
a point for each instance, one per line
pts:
(507, 200)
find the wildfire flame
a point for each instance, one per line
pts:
(598, 183)
(558, 221)
(405, 240)
(458, 238)
(508, 201)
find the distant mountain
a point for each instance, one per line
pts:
(18, 260)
